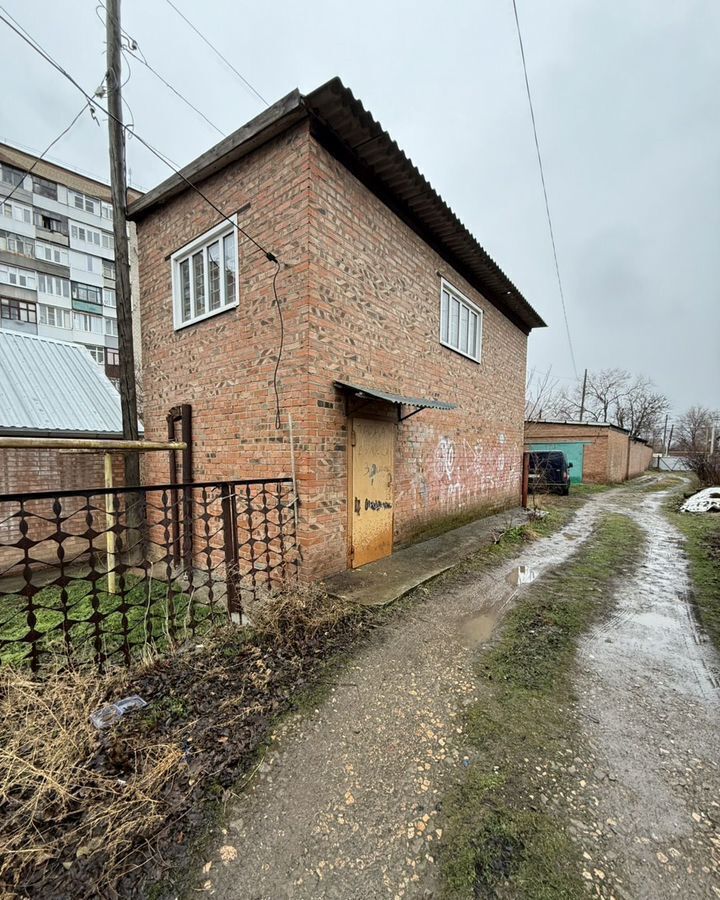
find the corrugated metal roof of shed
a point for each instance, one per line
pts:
(52, 386)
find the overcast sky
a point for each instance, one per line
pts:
(626, 99)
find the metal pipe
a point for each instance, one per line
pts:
(35, 443)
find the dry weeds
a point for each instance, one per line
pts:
(56, 805)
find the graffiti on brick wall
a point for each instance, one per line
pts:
(465, 472)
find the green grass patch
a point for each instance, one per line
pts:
(498, 842)
(146, 613)
(702, 533)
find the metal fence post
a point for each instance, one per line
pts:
(229, 517)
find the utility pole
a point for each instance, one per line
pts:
(669, 443)
(667, 416)
(582, 399)
(118, 184)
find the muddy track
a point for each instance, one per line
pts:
(650, 687)
(346, 804)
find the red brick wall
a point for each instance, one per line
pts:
(606, 453)
(361, 300)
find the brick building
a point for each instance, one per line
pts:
(404, 344)
(599, 452)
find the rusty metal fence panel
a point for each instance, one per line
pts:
(106, 575)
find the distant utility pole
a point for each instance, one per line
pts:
(665, 431)
(669, 443)
(118, 185)
(582, 399)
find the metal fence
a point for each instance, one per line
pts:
(103, 575)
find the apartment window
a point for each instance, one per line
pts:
(45, 188)
(18, 212)
(18, 310)
(88, 293)
(82, 201)
(52, 254)
(15, 243)
(10, 175)
(204, 276)
(460, 322)
(109, 298)
(55, 316)
(51, 284)
(88, 323)
(111, 327)
(106, 210)
(92, 236)
(97, 353)
(19, 277)
(112, 357)
(50, 223)
(108, 269)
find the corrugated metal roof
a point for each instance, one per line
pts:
(348, 131)
(49, 386)
(374, 393)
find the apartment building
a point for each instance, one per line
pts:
(57, 269)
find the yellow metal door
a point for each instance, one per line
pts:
(371, 500)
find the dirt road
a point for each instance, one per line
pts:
(348, 801)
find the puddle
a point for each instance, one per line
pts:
(477, 627)
(522, 575)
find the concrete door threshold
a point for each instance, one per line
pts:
(386, 580)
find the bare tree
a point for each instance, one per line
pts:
(641, 409)
(541, 395)
(694, 428)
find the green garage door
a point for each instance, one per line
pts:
(573, 453)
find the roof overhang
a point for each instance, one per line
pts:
(366, 394)
(342, 125)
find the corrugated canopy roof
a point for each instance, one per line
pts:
(54, 388)
(346, 129)
(365, 393)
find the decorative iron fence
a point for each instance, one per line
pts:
(102, 575)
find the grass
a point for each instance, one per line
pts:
(498, 842)
(148, 613)
(702, 534)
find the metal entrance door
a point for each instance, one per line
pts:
(371, 490)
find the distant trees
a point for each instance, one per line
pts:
(694, 429)
(611, 395)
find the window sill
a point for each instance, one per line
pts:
(208, 315)
(466, 356)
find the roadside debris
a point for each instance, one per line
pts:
(110, 714)
(522, 575)
(707, 500)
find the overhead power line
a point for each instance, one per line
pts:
(544, 187)
(132, 48)
(219, 54)
(18, 29)
(44, 153)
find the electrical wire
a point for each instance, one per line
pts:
(544, 187)
(218, 53)
(31, 42)
(44, 153)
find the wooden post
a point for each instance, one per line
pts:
(118, 184)
(525, 479)
(582, 399)
(110, 523)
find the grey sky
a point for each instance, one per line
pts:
(626, 97)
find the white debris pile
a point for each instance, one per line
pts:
(707, 500)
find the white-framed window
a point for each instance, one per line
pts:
(97, 353)
(55, 316)
(17, 211)
(106, 210)
(108, 269)
(51, 284)
(92, 236)
(52, 254)
(84, 202)
(204, 276)
(16, 243)
(111, 327)
(460, 322)
(109, 298)
(87, 322)
(20, 277)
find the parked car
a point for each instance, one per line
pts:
(549, 471)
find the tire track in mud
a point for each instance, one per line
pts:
(649, 684)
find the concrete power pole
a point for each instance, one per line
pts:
(118, 184)
(582, 399)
